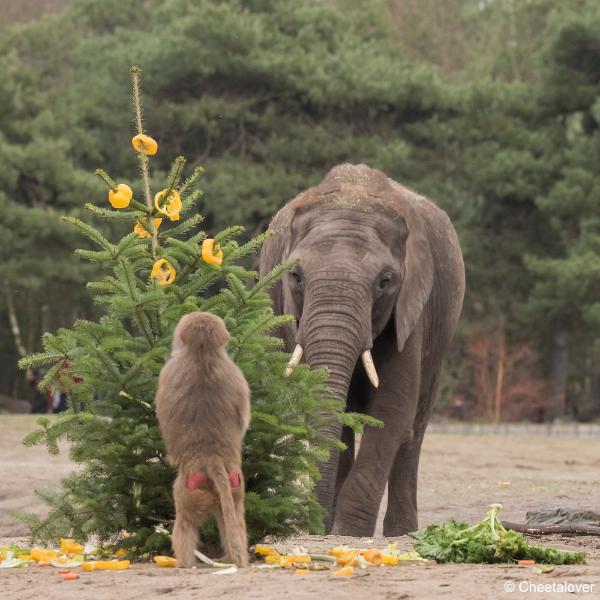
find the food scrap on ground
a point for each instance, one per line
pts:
(341, 560)
(165, 561)
(486, 542)
(69, 555)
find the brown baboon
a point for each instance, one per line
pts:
(203, 409)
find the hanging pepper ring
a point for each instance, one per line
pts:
(211, 252)
(171, 206)
(163, 272)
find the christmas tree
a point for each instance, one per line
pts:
(161, 270)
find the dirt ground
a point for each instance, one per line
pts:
(460, 476)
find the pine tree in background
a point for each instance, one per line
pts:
(110, 368)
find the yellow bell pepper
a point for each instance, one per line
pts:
(163, 272)
(149, 145)
(389, 560)
(211, 252)
(143, 232)
(121, 196)
(165, 561)
(171, 206)
(344, 572)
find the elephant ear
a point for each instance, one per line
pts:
(418, 279)
(274, 251)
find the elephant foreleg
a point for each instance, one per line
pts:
(401, 513)
(345, 463)
(394, 403)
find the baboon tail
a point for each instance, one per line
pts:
(231, 521)
(220, 478)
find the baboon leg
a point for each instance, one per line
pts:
(192, 509)
(185, 540)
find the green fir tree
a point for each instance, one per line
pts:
(109, 368)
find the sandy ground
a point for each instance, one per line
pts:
(460, 477)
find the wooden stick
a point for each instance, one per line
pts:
(550, 529)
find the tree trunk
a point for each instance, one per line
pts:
(559, 366)
(499, 379)
(14, 321)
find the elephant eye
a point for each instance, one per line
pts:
(385, 280)
(296, 276)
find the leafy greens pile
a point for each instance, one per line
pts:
(486, 542)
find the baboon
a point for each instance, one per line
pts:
(203, 410)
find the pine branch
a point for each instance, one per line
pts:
(183, 227)
(273, 276)
(107, 213)
(90, 232)
(191, 181)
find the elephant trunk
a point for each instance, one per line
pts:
(333, 334)
(340, 359)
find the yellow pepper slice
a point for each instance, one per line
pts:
(165, 561)
(344, 572)
(121, 196)
(389, 560)
(171, 207)
(141, 140)
(41, 554)
(372, 556)
(106, 565)
(349, 558)
(273, 559)
(289, 560)
(143, 232)
(163, 272)
(211, 252)
(264, 550)
(69, 546)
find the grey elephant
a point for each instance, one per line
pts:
(380, 278)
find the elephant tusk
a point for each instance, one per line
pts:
(370, 368)
(296, 358)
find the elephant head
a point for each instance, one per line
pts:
(364, 264)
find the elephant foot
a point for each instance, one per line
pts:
(353, 529)
(400, 528)
(397, 531)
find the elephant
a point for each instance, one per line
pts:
(380, 277)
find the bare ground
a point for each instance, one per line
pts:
(460, 476)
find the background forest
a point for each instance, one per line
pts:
(490, 107)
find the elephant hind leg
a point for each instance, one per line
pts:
(401, 514)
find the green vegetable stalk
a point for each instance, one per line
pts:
(486, 542)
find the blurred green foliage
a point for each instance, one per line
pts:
(488, 106)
